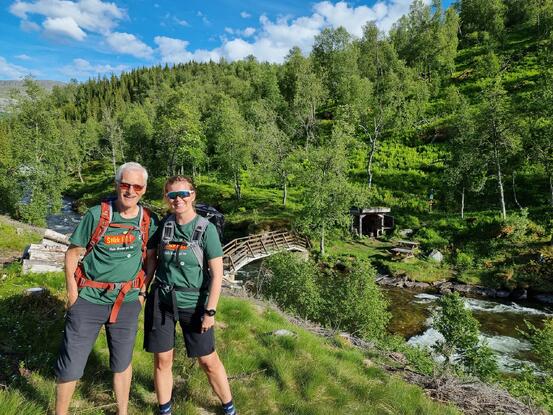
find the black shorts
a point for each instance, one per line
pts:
(159, 330)
(82, 325)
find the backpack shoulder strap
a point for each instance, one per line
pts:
(168, 232)
(106, 214)
(195, 242)
(145, 220)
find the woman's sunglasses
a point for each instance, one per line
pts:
(179, 193)
(136, 187)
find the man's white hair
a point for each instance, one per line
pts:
(131, 165)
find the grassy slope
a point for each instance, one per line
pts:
(269, 375)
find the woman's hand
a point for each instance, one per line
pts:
(142, 298)
(207, 322)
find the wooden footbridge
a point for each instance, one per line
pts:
(48, 256)
(242, 251)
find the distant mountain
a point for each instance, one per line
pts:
(6, 87)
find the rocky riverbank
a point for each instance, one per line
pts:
(444, 287)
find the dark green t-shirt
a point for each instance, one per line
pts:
(187, 271)
(117, 257)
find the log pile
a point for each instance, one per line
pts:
(48, 255)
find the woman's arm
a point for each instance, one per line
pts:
(216, 270)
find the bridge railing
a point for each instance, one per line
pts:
(240, 251)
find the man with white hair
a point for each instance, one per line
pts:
(107, 286)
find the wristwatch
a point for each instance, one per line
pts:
(143, 294)
(210, 312)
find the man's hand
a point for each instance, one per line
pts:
(207, 322)
(72, 296)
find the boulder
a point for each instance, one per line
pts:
(519, 294)
(436, 256)
(283, 333)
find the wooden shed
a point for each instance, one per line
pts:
(373, 221)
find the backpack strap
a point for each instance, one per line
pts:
(145, 220)
(196, 240)
(106, 215)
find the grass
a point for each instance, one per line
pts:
(14, 238)
(304, 374)
(419, 270)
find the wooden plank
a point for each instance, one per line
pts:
(40, 266)
(56, 236)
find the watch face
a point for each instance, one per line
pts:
(210, 313)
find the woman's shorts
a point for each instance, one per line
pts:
(159, 330)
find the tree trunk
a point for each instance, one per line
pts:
(322, 242)
(113, 161)
(463, 203)
(237, 189)
(501, 191)
(284, 192)
(551, 187)
(370, 164)
(515, 192)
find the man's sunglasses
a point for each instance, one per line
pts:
(136, 187)
(180, 193)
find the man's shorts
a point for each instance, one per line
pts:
(159, 330)
(82, 325)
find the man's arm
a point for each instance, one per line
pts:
(72, 256)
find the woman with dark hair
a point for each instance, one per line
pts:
(186, 289)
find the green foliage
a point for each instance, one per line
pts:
(463, 261)
(292, 285)
(341, 294)
(352, 300)
(461, 330)
(431, 239)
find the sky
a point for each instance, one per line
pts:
(79, 39)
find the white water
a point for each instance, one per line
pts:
(486, 306)
(506, 348)
(66, 221)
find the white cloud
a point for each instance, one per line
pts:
(245, 15)
(11, 71)
(89, 15)
(248, 31)
(206, 21)
(81, 68)
(63, 26)
(273, 39)
(28, 26)
(180, 22)
(175, 51)
(24, 57)
(128, 44)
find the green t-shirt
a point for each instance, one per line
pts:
(117, 257)
(188, 273)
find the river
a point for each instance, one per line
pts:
(499, 321)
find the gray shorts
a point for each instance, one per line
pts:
(82, 325)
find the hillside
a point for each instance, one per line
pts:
(8, 87)
(302, 374)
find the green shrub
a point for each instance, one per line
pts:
(290, 282)
(461, 330)
(430, 239)
(463, 261)
(352, 300)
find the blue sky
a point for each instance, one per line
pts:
(65, 39)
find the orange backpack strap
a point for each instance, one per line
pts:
(106, 212)
(146, 218)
